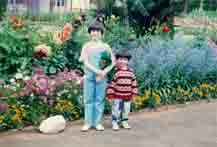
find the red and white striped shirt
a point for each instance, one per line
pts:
(123, 86)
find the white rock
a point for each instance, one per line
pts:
(53, 124)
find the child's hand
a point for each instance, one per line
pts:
(99, 78)
(103, 73)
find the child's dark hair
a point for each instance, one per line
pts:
(96, 26)
(123, 54)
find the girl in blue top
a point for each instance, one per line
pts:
(94, 77)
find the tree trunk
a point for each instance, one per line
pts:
(126, 18)
(201, 5)
(71, 5)
(185, 7)
(100, 4)
(52, 3)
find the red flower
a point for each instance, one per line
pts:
(166, 29)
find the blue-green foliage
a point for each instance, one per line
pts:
(173, 63)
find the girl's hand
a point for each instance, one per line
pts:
(103, 73)
(99, 78)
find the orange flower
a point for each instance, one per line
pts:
(19, 24)
(68, 28)
(13, 19)
(16, 22)
(63, 36)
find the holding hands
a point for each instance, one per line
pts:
(101, 75)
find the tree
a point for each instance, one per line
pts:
(52, 4)
(3, 6)
(141, 14)
(185, 7)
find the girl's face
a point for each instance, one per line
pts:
(96, 34)
(122, 61)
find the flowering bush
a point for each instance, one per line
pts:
(176, 95)
(64, 35)
(41, 96)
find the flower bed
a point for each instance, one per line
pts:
(27, 102)
(36, 83)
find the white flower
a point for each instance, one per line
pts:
(19, 76)
(26, 78)
(78, 82)
(75, 91)
(12, 80)
(113, 17)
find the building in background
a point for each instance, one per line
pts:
(45, 6)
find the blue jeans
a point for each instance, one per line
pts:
(94, 99)
(120, 110)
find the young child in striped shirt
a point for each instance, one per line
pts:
(121, 91)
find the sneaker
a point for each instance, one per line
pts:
(100, 127)
(125, 125)
(115, 126)
(85, 128)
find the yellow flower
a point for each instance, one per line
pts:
(212, 88)
(200, 93)
(138, 101)
(64, 105)
(204, 86)
(14, 106)
(157, 98)
(1, 119)
(195, 90)
(16, 119)
(147, 94)
(215, 86)
(19, 114)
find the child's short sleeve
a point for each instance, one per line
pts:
(83, 52)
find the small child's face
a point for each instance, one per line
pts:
(96, 34)
(122, 61)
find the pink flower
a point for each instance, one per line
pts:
(4, 107)
(1, 82)
(42, 85)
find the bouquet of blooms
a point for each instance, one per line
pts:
(105, 62)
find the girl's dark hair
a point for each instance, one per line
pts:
(96, 26)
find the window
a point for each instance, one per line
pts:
(60, 3)
(16, 2)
